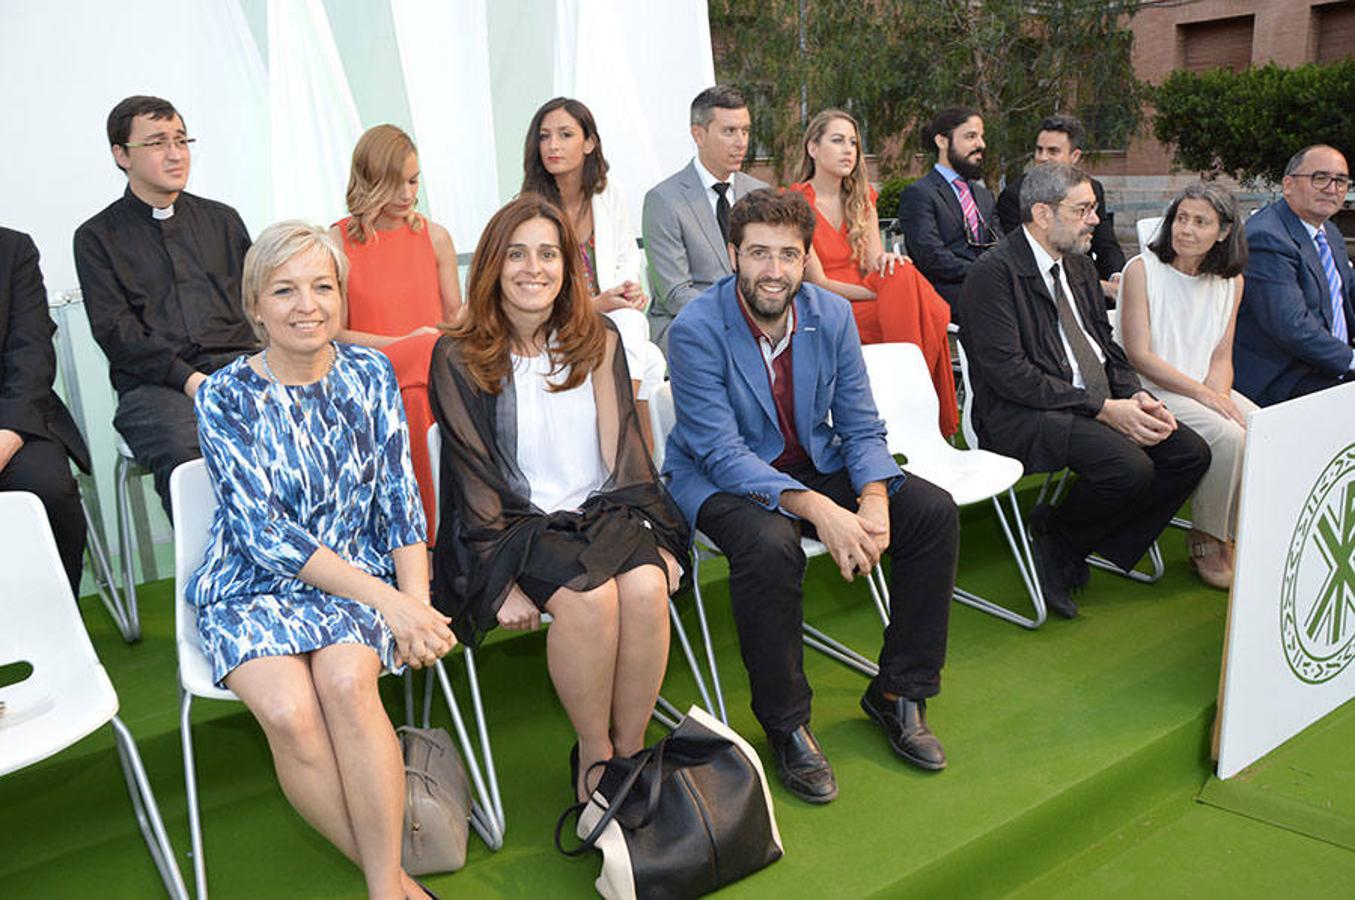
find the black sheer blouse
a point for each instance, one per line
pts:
(488, 527)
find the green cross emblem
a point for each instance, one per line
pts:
(1317, 591)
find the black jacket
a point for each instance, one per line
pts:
(1024, 399)
(28, 404)
(1106, 251)
(933, 225)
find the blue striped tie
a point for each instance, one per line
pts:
(1338, 312)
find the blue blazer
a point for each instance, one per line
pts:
(727, 432)
(1284, 322)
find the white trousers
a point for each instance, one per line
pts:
(1214, 503)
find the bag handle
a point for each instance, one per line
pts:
(644, 758)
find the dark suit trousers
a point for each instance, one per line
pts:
(159, 426)
(1125, 495)
(766, 588)
(41, 467)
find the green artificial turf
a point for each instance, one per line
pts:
(1306, 785)
(1062, 742)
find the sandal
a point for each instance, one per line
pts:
(1209, 559)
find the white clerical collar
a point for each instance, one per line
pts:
(166, 213)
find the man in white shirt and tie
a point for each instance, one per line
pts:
(686, 216)
(1053, 389)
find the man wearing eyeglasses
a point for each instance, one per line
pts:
(948, 216)
(777, 436)
(1297, 317)
(160, 272)
(1054, 390)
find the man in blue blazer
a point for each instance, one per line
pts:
(777, 437)
(1297, 316)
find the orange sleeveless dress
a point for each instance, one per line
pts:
(392, 290)
(906, 308)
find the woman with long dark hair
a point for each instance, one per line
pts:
(550, 502)
(1178, 310)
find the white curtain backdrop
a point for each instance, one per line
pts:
(637, 66)
(313, 120)
(62, 68)
(444, 53)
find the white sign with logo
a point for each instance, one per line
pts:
(1291, 625)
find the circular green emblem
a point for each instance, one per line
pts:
(1317, 593)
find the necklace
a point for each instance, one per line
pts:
(268, 370)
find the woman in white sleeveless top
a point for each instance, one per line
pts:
(1178, 309)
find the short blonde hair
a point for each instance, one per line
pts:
(276, 245)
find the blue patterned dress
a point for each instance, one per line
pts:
(296, 468)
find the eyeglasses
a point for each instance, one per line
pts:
(160, 145)
(788, 256)
(1083, 211)
(1323, 180)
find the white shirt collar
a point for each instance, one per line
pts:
(166, 213)
(1043, 260)
(707, 179)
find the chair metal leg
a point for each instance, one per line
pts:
(711, 665)
(817, 639)
(131, 625)
(190, 780)
(1019, 543)
(487, 810)
(692, 663)
(105, 582)
(147, 811)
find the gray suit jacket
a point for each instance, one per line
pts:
(683, 244)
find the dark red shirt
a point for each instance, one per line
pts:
(781, 379)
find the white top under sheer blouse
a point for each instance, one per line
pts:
(557, 446)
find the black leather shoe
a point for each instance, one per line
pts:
(1050, 565)
(803, 768)
(905, 722)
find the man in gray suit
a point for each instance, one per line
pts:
(686, 216)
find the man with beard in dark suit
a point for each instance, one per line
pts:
(948, 216)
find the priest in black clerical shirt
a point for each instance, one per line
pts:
(160, 272)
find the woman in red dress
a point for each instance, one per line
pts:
(403, 277)
(890, 299)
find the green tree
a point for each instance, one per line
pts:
(1247, 124)
(895, 64)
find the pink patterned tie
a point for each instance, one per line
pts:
(971, 211)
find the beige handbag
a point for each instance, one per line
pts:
(437, 802)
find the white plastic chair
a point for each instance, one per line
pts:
(1147, 229)
(1059, 481)
(194, 503)
(907, 402)
(68, 694)
(663, 416)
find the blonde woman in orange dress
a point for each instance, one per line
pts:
(403, 278)
(890, 299)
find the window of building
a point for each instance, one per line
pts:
(1218, 43)
(1335, 27)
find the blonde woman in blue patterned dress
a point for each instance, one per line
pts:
(316, 574)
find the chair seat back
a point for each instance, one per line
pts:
(662, 418)
(906, 400)
(193, 500)
(1147, 229)
(67, 695)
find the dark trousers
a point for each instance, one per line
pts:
(766, 585)
(1125, 495)
(41, 467)
(158, 424)
(1316, 381)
